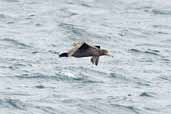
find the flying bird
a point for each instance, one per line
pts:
(85, 50)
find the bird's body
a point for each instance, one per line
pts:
(85, 50)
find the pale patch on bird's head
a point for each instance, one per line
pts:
(104, 52)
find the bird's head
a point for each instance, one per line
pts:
(104, 52)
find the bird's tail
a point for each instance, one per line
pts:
(95, 60)
(63, 55)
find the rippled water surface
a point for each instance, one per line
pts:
(34, 80)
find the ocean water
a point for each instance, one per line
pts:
(34, 80)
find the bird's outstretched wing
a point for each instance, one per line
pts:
(95, 60)
(84, 46)
(84, 50)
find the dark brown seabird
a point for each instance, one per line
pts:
(85, 50)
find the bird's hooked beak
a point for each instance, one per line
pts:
(105, 52)
(109, 54)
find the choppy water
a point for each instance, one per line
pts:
(33, 80)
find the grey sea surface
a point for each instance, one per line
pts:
(34, 80)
